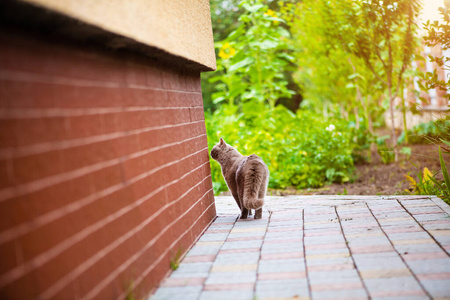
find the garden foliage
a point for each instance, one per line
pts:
(301, 149)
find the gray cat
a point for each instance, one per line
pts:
(246, 176)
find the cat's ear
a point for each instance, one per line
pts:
(222, 142)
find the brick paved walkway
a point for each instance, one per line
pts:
(320, 247)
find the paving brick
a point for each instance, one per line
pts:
(329, 261)
(417, 248)
(237, 258)
(177, 293)
(183, 281)
(233, 268)
(335, 276)
(323, 251)
(336, 286)
(283, 235)
(226, 295)
(198, 258)
(287, 288)
(246, 250)
(390, 286)
(331, 267)
(387, 260)
(416, 235)
(282, 247)
(439, 289)
(341, 294)
(430, 266)
(242, 244)
(199, 269)
(315, 240)
(424, 256)
(254, 234)
(231, 277)
(385, 273)
(264, 259)
(281, 275)
(229, 287)
(283, 255)
(213, 237)
(204, 250)
(281, 265)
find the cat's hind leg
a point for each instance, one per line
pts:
(244, 213)
(261, 194)
(258, 213)
(238, 198)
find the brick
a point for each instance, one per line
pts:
(69, 224)
(336, 286)
(231, 277)
(430, 266)
(385, 273)
(225, 295)
(198, 258)
(11, 256)
(21, 94)
(423, 256)
(57, 196)
(87, 125)
(282, 255)
(437, 288)
(288, 288)
(281, 275)
(6, 175)
(192, 268)
(8, 135)
(31, 131)
(331, 267)
(228, 287)
(37, 166)
(79, 221)
(155, 251)
(178, 293)
(341, 294)
(191, 281)
(434, 276)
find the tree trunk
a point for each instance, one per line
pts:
(405, 127)
(391, 109)
(356, 112)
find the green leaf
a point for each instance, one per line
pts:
(235, 34)
(406, 150)
(445, 142)
(241, 64)
(253, 8)
(267, 44)
(218, 100)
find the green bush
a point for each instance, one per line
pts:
(426, 133)
(301, 150)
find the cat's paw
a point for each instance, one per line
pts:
(243, 217)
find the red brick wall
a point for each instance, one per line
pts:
(104, 170)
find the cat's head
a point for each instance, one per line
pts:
(222, 151)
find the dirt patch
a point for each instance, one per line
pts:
(377, 178)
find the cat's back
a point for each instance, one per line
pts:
(255, 159)
(254, 163)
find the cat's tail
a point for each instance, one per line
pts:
(253, 185)
(255, 203)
